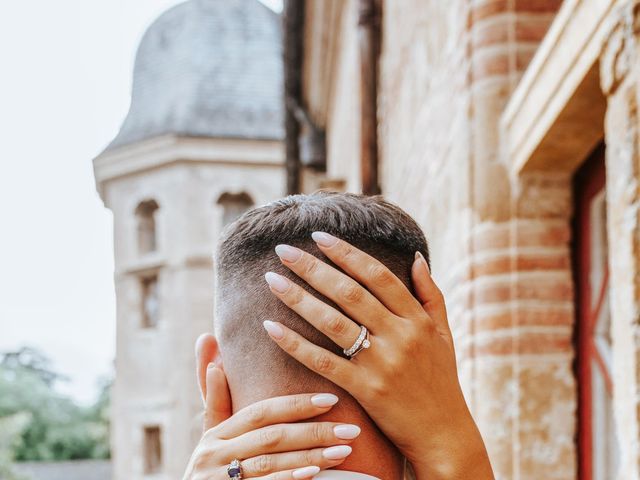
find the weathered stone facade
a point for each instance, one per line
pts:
(486, 108)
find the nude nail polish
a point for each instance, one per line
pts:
(337, 453)
(306, 472)
(274, 330)
(277, 282)
(423, 261)
(324, 239)
(288, 253)
(324, 400)
(346, 432)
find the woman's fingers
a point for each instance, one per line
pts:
(352, 297)
(296, 464)
(373, 274)
(306, 472)
(339, 328)
(332, 367)
(430, 295)
(287, 409)
(218, 398)
(286, 438)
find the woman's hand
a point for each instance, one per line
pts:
(407, 380)
(264, 437)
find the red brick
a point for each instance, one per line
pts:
(491, 238)
(488, 9)
(553, 289)
(542, 235)
(492, 293)
(534, 262)
(492, 33)
(544, 317)
(537, 6)
(523, 262)
(549, 288)
(492, 266)
(531, 30)
(491, 64)
(527, 343)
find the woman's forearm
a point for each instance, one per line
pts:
(462, 458)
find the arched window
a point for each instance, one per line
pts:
(146, 219)
(234, 205)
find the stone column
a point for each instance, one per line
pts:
(542, 315)
(519, 357)
(620, 77)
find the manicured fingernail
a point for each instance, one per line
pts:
(288, 253)
(337, 453)
(277, 282)
(346, 432)
(211, 366)
(324, 239)
(324, 400)
(422, 260)
(306, 472)
(273, 329)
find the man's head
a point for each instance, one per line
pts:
(256, 368)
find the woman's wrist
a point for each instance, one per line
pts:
(463, 456)
(474, 465)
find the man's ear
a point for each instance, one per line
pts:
(206, 352)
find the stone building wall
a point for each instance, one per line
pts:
(188, 178)
(501, 242)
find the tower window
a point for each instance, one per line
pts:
(152, 449)
(234, 205)
(146, 218)
(150, 301)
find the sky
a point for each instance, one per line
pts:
(65, 83)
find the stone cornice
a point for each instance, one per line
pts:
(552, 120)
(170, 150)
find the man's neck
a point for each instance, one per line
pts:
(373, 454)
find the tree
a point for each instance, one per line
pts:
(10, 429)
(55, 427)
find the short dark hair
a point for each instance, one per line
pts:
(246, 253)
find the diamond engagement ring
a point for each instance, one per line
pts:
(234, 470)
(361, 343)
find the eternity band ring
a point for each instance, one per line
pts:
(234, 470)
(361, 343)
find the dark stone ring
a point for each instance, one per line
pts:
(234, 470)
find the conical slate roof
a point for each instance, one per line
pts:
(208, 68)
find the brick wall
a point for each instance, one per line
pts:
(447, 71)
(501, 245)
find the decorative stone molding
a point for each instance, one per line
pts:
(553, 119)
(620, 53)
(171, 149)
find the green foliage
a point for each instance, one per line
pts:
(52, 426)
(10, 429)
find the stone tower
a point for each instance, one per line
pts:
(202, 142)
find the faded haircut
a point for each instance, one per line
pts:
(256, 367)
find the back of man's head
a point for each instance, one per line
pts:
(255, 366)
